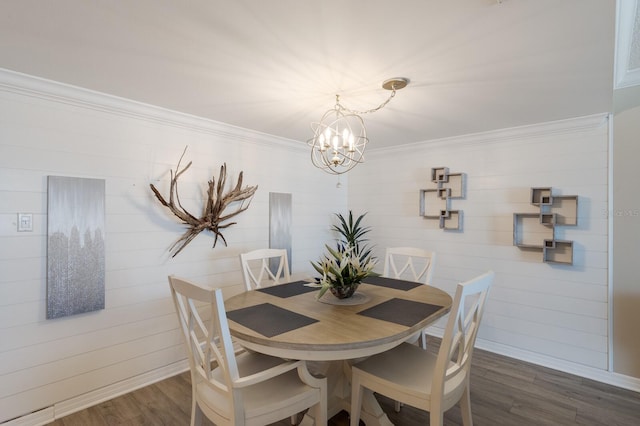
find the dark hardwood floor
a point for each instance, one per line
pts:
(504, 392)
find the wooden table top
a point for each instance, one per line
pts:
(339, 331)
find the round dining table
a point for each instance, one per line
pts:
(289, 321)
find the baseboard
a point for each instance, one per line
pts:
(604, 376)
(72, 405)
(40, 417)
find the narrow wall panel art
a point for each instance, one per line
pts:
(280, 225)
(75, 246)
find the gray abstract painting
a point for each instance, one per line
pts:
(280, 225)
(75, 246)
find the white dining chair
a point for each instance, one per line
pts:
(238, 389)
(258, 271)
(415, 377)
(413, 264)
(264, 267)
(409, 263)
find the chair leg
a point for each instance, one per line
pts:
(397, 406)
(196, 414)
(320, 413)
(465, 407)
(319, 382)
(436, 418)
(356, 400)
(322, 409)
(320, 416)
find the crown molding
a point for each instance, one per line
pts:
(521, 133)
(62, 93)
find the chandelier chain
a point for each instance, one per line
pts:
(352, 111)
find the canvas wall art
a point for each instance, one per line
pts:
(280, 225)
(75, 246)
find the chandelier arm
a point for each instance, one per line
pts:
(379, 107)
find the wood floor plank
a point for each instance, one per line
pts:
(545, 411)
(89, 416)
(175, 391)
(500, 398)
(605, 416)
(123, 410)
(158, 408)
(504, 392)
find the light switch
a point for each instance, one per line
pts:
(25, 222)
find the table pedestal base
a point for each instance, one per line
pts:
(338, 374)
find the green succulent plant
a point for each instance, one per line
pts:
(351, 261)
(352, 234)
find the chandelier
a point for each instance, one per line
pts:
(339, 138)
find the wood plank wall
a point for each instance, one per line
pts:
(556, 315)
(51, 129)
(551, 312)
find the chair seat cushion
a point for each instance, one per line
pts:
(407, 368)
(279, 393)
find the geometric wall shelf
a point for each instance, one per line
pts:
(537, 230)
(435, 203)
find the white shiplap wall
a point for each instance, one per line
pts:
(551, 314)
(53, 367)
(540, 311)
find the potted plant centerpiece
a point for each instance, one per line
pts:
(344, 267)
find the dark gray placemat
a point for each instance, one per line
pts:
(392, 283)
(289, 289)
(269, 320)
(401, 311)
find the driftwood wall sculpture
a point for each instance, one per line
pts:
(213, 216)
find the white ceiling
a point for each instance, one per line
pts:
(276, 65)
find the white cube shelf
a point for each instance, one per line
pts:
(537, 230)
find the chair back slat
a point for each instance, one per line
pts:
(443, 383)
(454, 357)
(264, 267)
(410, 263)
(270, 388)
(208, 339)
